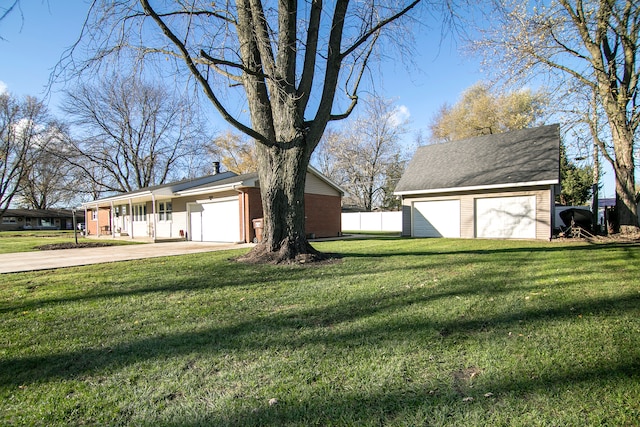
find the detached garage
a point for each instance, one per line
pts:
(495, 186)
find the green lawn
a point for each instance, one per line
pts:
(402, 332)
(28, 241)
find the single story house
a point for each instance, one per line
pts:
(493, 186)
(39, 219)
(214, 208)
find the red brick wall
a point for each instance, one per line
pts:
(253, 208)
(323, 214)
(103, 220)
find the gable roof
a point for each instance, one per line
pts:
(220, 182)
(511, 159)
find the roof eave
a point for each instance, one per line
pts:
(477, 188)
(213, 189)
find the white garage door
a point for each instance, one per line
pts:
(215, 221)
(506, 217)
(439, 218)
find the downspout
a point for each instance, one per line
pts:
(86, 222)
(242, 208)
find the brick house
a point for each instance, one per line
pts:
(216, 208)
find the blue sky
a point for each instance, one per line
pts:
(36, 39)
(34, 45)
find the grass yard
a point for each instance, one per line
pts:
(402, 332)
(28, 241)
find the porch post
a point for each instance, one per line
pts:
(113, 235)
(130, 218)
(153, 215)
(97, 221)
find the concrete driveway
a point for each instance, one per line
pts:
(44, 260)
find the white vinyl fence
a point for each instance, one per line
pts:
(372, 221)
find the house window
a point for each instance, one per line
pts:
(139, 212)
(164, 211)
(9, 220)
(123, 210)
(94, 215)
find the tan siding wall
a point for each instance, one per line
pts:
(544, 225)
(315, 185)
(467, 209)
(467, 215)
(406, 219)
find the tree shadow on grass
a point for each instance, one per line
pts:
(630, 249)
(382, 405)
(230, 274)
(281, 330)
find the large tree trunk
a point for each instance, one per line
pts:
(625, 198)
(282, 172)
(626, 206)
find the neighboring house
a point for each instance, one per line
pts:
(215, 208)
(494, 186)
(39, 219)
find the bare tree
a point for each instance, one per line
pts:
(48, 182)
(360, 156)
(25, 130)
(590, 47)
(287, 59)
(133, 134)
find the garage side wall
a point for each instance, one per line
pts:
(543, 197)
(323, 215)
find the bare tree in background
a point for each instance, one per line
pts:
(360, 157)
(589, 48)
(48, 182)
(25, 130)
(287, 60)
(133, 134)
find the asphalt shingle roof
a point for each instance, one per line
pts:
(510, 158)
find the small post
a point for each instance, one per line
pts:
(75, 226)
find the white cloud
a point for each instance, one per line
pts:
(400, 115)
(3, 87)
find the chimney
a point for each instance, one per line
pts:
(216, 168)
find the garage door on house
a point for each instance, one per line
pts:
(506, 217)
(438, 218)
(215, 221)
